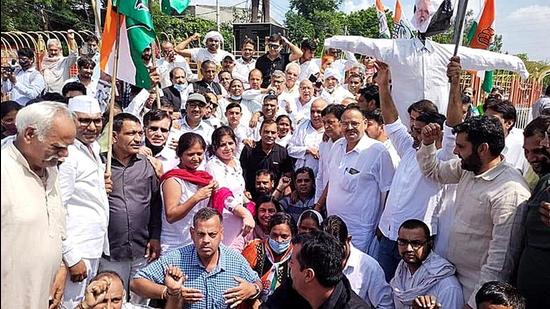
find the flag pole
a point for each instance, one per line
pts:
(97, 19)
(112, 101)
(459, 24)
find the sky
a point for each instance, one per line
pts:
(523, 24)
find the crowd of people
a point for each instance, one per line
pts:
(284, 181)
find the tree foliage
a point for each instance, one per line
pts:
(307, 8)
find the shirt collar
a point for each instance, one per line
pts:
(184, 123)
(363, 143)
(493, 172)
(353, 260)
(222, 264)
(418, 46)
(50, 171)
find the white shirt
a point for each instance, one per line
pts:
(242, 132)
(322, 173)
(307, 69)
(199, 55)
(356, 182)
(164, 68)
(137, 105)
(176, 234)
(232, 179)
(91, 88)
(203, 129)
(412, 195)
(513, 150)
(29, 85)
(168, 158)
(298, 112)
(242, 69)
(56, 71)
(367, 279)
(337, 95)
(393, 153)
(82, 187)
(420, 72)
(283, 142)
(306, 136)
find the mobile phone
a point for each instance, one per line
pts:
(312, 78)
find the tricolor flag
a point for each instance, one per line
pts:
(402, 29)
(481, 36)
(136, 33)
(383, 29)
(169, 6)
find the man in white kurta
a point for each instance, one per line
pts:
(81, 182)
(33, 218)
(422, 67)
(361, 175)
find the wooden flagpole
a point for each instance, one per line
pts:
(112, 102)
(459, 24)
(97, 19)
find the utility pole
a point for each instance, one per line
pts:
(255, 7)
(266, 18)
(218, 14)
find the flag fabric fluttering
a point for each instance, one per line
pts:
(432, 16)
(136, 34)
(402, 29)
(170, 6)
(481, 35)
(383, 30)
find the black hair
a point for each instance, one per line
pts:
(335, 226)
(224, 71)
(412, 224)
(353, 107)
(537, 126)
(308, 45)
(205, 214)
(92, 37)
(217, 138)
(375, 115)
(309, 214)
(234, 105)
(118, 121)
(371, 92)
(547, 91)
(206, 63)
(8, 106)
(266, 198)
(335, 109)
(504, 107)
(500, 293)
(247, 41)
(275, 38)
(307, 170)
(323, 253)
(283, 116)
(235, 80)
(155, 115)
(188, 140)
(84, 62)
(25, 52)
(483, 129)
(73, 86)
(269, 97)
(49, 96)
(265, 123)
(432, 117)
(283, 218)
(171, 74)
(422, 106)
(264, 171)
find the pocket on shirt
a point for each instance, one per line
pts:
(350, 182)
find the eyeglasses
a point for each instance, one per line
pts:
(87, 121)
(274, 46)
(353, 124)
(195, 105)
(415, 244)
(155, 129)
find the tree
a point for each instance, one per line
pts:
(307, 8)
(365, 22)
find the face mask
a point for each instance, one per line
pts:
(236, 98)
(279, 247)
(180, 87)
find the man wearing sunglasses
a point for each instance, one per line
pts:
(273, 59)
(157, 124)
(421, 271)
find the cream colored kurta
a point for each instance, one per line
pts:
(482, 243)
(33, 225)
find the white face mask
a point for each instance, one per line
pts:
(180, 87)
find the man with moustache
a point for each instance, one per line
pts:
(25, 83)
(134, 204)
(298, 110)
(169, 61)
(213, 41)
(157, 124)
(33, 216)
(55, 67)
(216, 277)
(180, 89)
(85, 72)
(304, 144)
(84, 186)
(488, 194)
(361, 172)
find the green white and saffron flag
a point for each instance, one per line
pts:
(170, 6)
(481, 35)
(136, 33)
(383, 29)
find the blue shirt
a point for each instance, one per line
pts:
(212, 284)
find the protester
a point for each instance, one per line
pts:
(303, 193)
(208, 83)
(298, 109)
(308, 66)
(284, 130)
(33, 216)
(269, 257)
(179, 90)
(73, 89)
(157, 125)
(85, 76)
(168, 62)
(309, 220)
(246, 63)
(333, 92)
(496, 294)
(365, 275)
(233, 114)
(304, 144)
(213, 41)
(9, 110)
(542, 103)
(185, 190)
(532, 270)
(421, 271)
(24, 83)
(195, 108)
(216, 276)
(134, 204)
(84, 186)
(264, 183)
(375, 130)
(274, 59)
(56, 67)
(224, 79)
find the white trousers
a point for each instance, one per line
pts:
(74, 291)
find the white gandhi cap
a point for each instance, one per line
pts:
(84, 104)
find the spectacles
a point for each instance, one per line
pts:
(87, 121)
(353, 124)
(274, 46)
(155, 129)
(195, 105)
(415, 244)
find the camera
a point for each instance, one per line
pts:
(8, 68)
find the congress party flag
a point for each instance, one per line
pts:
(481, 36)
(169, 6)
(383, 29)
(402, 29)
(133, 19)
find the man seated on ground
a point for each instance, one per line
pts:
(365, 275)
(215, 275)
(421, 271)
